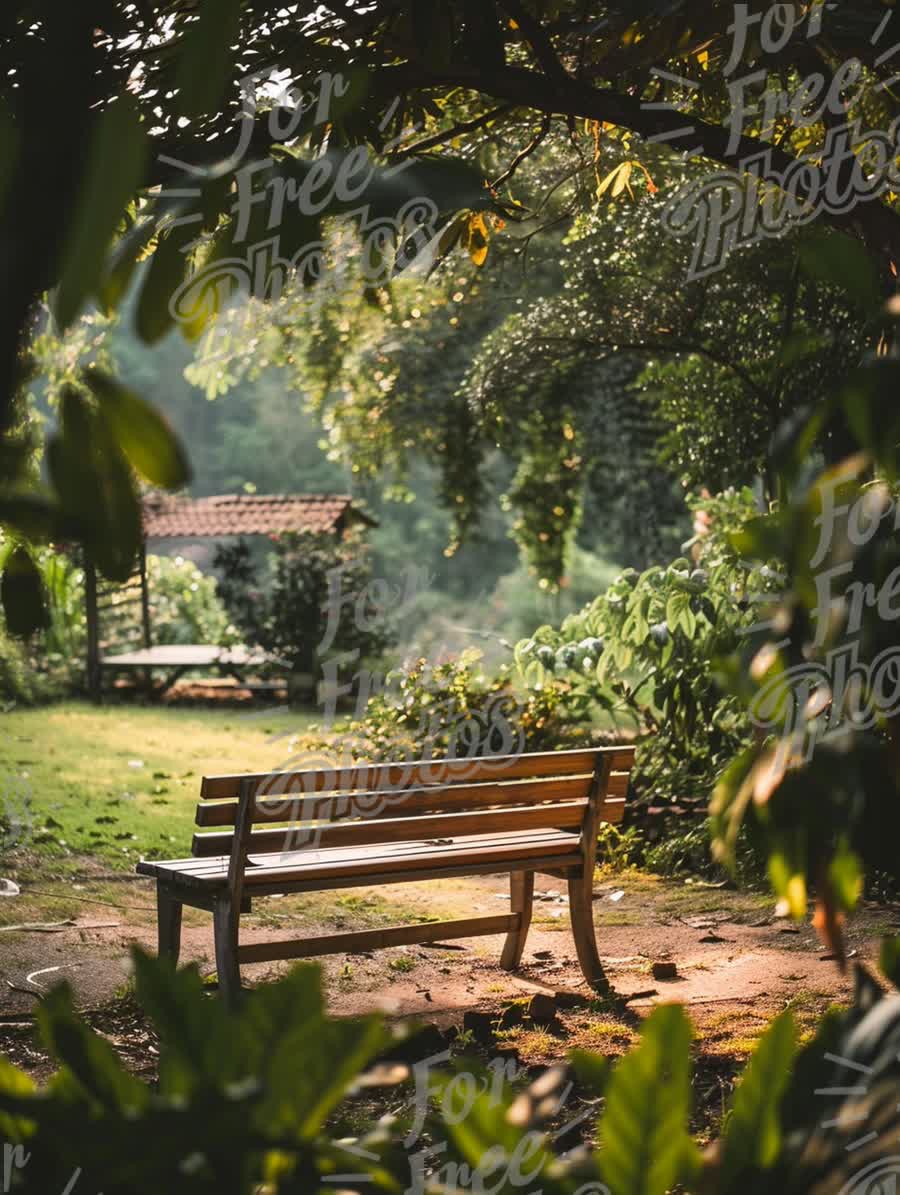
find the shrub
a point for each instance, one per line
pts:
(285, 607)
(454, 709)
(647, 653)
(185, 605)
(19, 685)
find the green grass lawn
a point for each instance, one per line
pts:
(120, 782)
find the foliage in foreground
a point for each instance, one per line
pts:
(250, 1101)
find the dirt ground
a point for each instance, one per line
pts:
(737, 965)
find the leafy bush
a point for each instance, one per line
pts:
(285, 607)
(185, 605)
(18, 682)
(454, 709)
(646, 652)
(248, 1102)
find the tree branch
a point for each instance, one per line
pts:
(537, 38)
(523, 154)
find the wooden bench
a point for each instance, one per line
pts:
(308, 831)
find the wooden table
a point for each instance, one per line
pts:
(178, 658)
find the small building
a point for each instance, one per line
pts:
(169, 518)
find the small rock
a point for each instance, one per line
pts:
(665, 970)
(543, 954)
(513, 1014)
(9, 888)
(480, 1025)
(542, 1008)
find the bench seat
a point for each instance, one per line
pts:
(475, 854)
(368, 824)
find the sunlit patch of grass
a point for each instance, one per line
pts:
(606, 1035)
(118, 782)
(532, 1045)
(403, 964)
(732, 1033)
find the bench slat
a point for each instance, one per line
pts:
(406, 829)
(361, 856)
(402, 802)
(357, 941)
(508, 855)
(417, 773)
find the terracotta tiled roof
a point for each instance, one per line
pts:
(166, 517)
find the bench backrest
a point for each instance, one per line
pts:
(406, 802)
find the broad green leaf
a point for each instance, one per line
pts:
(592, 1070)
(95, 486)
(752, 1138)
(845, 877)
(92, 1061)
(142, 433)
(787, 867)
(311, 1068)
(34, 516)
(842, 261)
(206, 56)
(889, 959)
(646, 1146)
(678, 613)
(122, 263)
(16, 1084)
(113, 173)
(22, 592)
(486, 1138)
(168, 268)
(870, 403)
(200, 1042)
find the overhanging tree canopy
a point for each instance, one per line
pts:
(141, 90)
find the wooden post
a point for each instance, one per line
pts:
(581, 885)
(93, 630)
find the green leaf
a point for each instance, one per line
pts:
(206, 56)
(592, 1070)
(22, 594)
(113, 173)
(486, 1138)
(845, 877)
(752, 1139)
(95, 486)
(870, 403)
(34, 516)
(168, 268)
(142, 433)
(17, 1085)
(646, 1145)
(842, 261)
(680, 614)
(91, 1061)
(889, 959)
(201, 1044)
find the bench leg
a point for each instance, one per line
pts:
(168, 915)
(225, 925)
(581, 910)
(521, 888)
